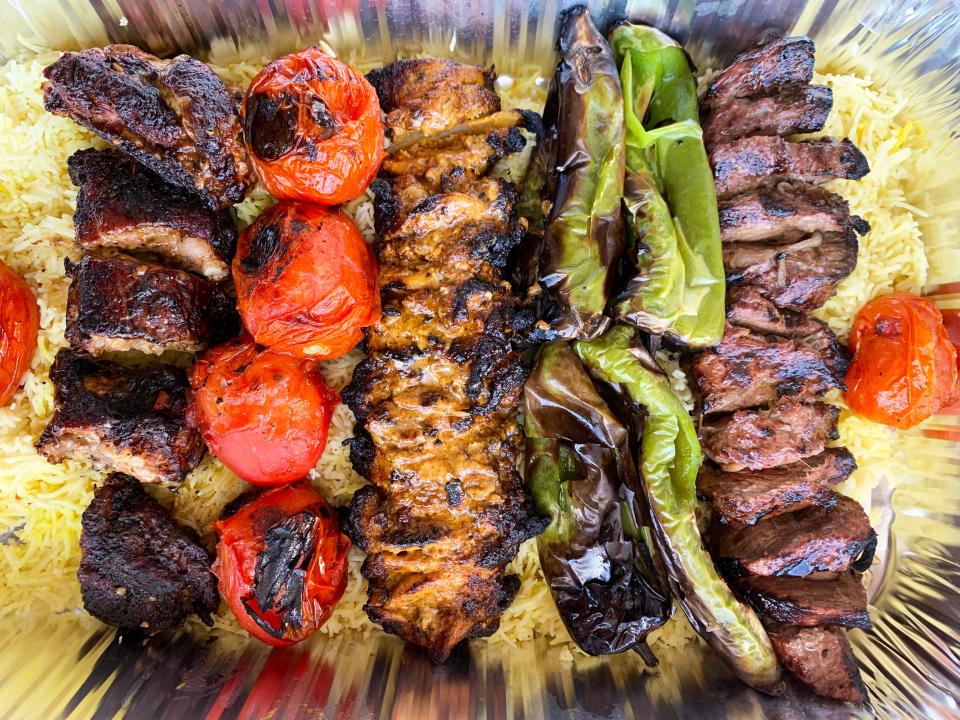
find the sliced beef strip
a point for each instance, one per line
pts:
(798, 109)
(747, 307)
(748, 369)
(121, 204)
(131, 419)
(834, 600)
(765, 69)
(834, 538)
(752, 162)
(785, 212)
(821, 658)
(802, 275)
(140, 569)
(759, 439)
(117, 303)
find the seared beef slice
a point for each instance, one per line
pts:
(839, 600)
(820, 657)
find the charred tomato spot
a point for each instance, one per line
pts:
(264, 244)
(327, 124)
(271, 125)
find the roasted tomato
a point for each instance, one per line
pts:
(313, 128)
(281, 562)
(306, 281)
(904, 366)
(265, 415)
(19, 323)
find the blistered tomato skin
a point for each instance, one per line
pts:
(19, 324)
(306, 281)
(281, 562)
(313, 130)
(263, 414)
(904, 367)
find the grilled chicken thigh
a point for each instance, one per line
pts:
(117, 303)
(131, 419)
(140, 569)
(174, 116)
(121, 204)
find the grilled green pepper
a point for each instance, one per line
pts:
(670, 459)
(669, 195)
(583, 239)
(582, 476)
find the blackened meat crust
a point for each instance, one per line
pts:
(839, 600)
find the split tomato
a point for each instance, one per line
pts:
(19, 324)
(904, 366)
(281, 562)
(313, 129)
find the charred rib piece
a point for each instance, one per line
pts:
(759, 439)
(436, 400)
(174, 116)
(802, 275)
(839, 600)
(746, 497)
(130, 419)
(799, 109)
(766, 69)
(816, 539)
(122, 204)
(117, 304)
(140, 569)
(821, 658)
(748, 369)
(746, 307)
(785, 213)
(752, 162)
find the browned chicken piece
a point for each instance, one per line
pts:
(821, 658)
(131, 419)
(117, 303)
(834, 538)
(749, 369)
(766, 69)
(798, 109)
(140, 569)
(121, 204)
(748, 496)
(757, 439)
(785, 213)
(752, 162)
(801, 275)
(807, 602)
(748, 308)
(174, 116)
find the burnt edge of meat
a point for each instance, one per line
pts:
(139, 568)
(129, 411)
(117, 194)
(838, 600)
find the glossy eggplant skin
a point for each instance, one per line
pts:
(669, 460)
(676, 287)
(581, 474)
(583, 238)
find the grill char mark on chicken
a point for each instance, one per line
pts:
(766, 69)
(834, 538)
(752, 162)
(117, 303)
(174, 116)
(140, 569)
(784, 213)
(835, 600)
(436, 399)
(799, 109)
(746, 497)
(121, 204)
(131, 419)
(820, 657)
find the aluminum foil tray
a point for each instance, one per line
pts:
(68, 666)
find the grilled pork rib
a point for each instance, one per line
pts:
(121, 204)
(140, 569)
(436, 400)
(117, 303)
(131, 419)
(174, 116)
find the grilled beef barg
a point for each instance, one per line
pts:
(139, 569)
(792, 546)
(174, 116)
(436, 399)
